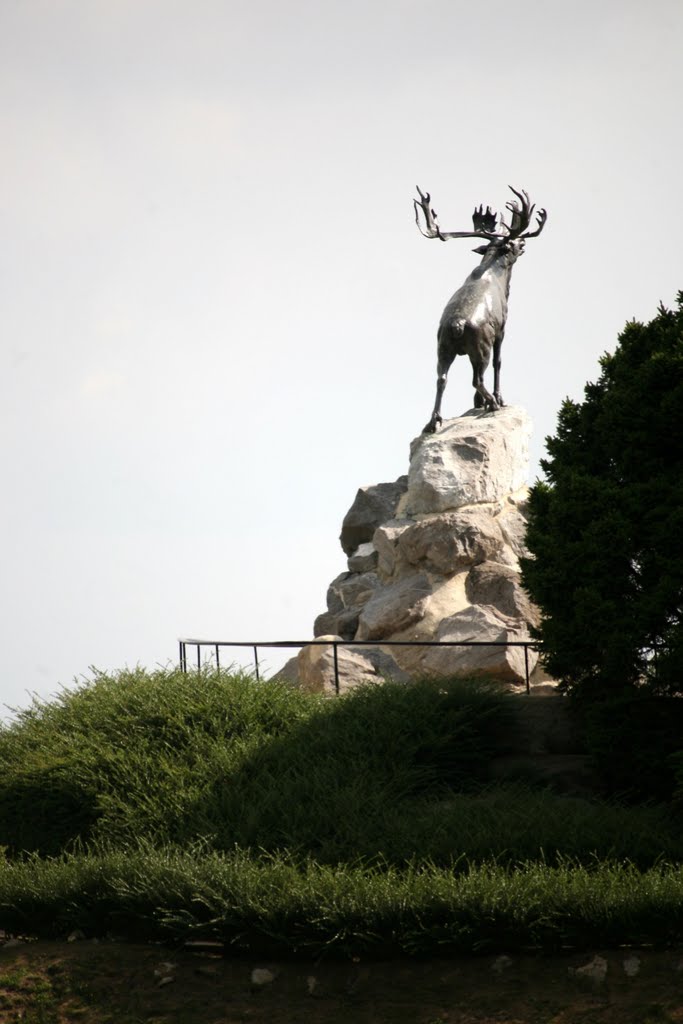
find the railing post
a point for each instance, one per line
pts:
(256, 662)
(526, 667)
(218, 658)
(199, 657)
(336, 668)
(182, 656)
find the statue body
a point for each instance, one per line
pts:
(473, 322)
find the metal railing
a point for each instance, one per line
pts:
(336, 644)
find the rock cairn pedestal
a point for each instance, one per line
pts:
(435, 556)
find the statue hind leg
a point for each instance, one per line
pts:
(481, 341)
(483, 399)
(496, 370)
(436, 420)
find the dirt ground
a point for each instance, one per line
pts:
(82, 982)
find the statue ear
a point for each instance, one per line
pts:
(480, 250)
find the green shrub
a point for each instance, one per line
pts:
(45, 810)
(127, 754)
(338, 785)
(605, 528)
(172, 756)
(387, 775)
(631, 737)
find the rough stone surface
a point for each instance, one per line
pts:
(325, 625)
(595, 971)
(315, 667)
(385, 539)
(354, 589)
(632, 965)
(394, 607)
(480, 622)
(490, 583)
(289, 673)
(447, 542)
(262, 976)
(512, 521)
(346, 596)
(343, 624)
(364, 558)
(371, 506)
(334, 601)
(478, 457)
(435, 556)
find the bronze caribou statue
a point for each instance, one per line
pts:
(473, 322)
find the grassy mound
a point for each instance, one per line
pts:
(390, 773)
(167, 805)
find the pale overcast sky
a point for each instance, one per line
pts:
(218, 316)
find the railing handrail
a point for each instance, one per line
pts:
(336, 643)
(318, 641)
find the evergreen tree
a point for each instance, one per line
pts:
(606, 526)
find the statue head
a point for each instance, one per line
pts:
(502, 249)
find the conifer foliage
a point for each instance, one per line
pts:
(606, 525)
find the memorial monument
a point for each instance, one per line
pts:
(473, 322)
(434, 556)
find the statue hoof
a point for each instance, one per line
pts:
(433, 425)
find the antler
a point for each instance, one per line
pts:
(541, 218)
(429, 215)
(484, 223)
(521, 216)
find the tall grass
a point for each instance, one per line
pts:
(280, 907)
(388, 775)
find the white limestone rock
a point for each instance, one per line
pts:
(394, 607)
(513, 522)
(371, 506)
(447, 542)
(386, 539)
(355, 666)
(478, 457)
(435, 556)
(480, 622)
